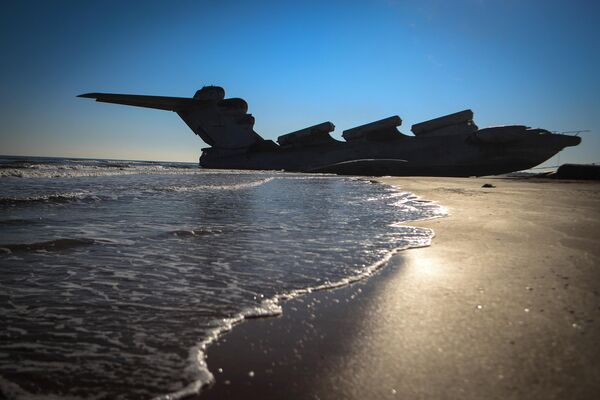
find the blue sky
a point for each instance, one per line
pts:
(296, 63)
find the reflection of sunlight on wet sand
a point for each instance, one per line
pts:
(401, 333)
(424, 268)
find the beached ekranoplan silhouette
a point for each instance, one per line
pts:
(451, 145)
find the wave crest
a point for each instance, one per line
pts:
(235, 186)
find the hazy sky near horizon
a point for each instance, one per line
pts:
(297, 63)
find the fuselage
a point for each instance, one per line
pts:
(452, 155)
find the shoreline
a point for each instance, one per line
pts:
(502, 304)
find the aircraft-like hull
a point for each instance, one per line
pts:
(447, 146)
(457, 155)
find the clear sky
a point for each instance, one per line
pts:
(297, 63)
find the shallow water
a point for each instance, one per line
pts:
(115, 275)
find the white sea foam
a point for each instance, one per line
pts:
(78, 171)
(235, 186)
(197, 368)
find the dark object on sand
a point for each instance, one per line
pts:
(578, 171)
(487, 185)
(451, 145)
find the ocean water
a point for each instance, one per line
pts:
(116, 275)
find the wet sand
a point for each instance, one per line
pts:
(504, 304)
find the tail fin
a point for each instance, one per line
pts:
(220, 122)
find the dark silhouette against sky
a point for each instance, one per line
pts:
(296, 63)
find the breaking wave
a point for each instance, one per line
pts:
(236, 186)
(195, 232)
(90, 170)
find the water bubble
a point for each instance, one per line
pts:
(479, 307)
(251, 374)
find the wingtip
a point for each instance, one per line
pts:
(88, 95)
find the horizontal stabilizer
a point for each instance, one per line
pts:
(160, 102)
(220, 122)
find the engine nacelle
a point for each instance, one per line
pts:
(316, 134)
(382, 130)
(451, 124)
(215, 93)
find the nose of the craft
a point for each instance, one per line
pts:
(559, 140)
(568, 140)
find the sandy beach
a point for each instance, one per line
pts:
(504, 304)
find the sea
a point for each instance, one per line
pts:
(116, 275)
